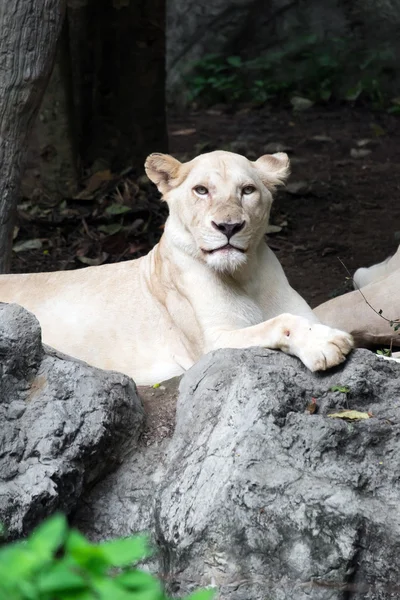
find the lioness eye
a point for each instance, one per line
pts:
(248, 189)
(201, 190)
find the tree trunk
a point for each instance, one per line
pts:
(28, 40)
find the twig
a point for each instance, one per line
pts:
(377, 312)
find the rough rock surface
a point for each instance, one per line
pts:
(261, 498)
(196, 28)
(64, 424)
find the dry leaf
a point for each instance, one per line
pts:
(93, 262)
(363, 142)
(34, 244)
(378, 130)
(274, 229)
(352, 415)
(93, 184)
(361, 153)
(312, 406)
(111, 229)
(298, 188)
(300, 103)
(183, 132)
(322, 138)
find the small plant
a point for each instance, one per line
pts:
(58, 563)
(384, 352)
(343, 389)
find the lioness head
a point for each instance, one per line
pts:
(219, 203)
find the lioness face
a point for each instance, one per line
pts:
(219, 203)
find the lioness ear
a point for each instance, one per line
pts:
(274, 168)
(161, 169)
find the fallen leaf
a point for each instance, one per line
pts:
(322, 138)
(361, 153)
(298, 188)
(34, 244)
(93, 262)
(189, 131)
(300, 103)
(93, 184)
(363, 142)
(352, 415)
(343, 389)
(377, 130)
(110, 229)
(274, 229)
(353, 93)
(312, 406)
(117, 209)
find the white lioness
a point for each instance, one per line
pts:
(211, 282)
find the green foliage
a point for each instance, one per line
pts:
(58, 563)
(318, 69)
(384, 352)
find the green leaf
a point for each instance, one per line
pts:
(109, 589)
(28, 590)
(140, 581)
(126, 551)
(117, 209)
(18, 562)
(48, 537)
(340, 388)
(86, 555)
(234, 61)
(60, 578)
(354, 92)
(110, 229)
(202, 595)
(76, 595)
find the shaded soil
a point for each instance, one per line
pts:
(160, 410)
(343, 201)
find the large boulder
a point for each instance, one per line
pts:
(258, 495)
(64, 424)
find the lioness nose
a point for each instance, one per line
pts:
(229, 229)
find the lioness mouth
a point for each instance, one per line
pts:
(226, 247)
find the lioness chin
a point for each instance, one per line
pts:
(211, 282)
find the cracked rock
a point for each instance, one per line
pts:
(64, 424)
(255, 495)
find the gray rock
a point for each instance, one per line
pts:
(267, 501)
(259, 497)
(64, 424)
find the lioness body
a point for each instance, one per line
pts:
(211, 282)
(123, 317)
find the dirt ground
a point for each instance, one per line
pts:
(343, 198)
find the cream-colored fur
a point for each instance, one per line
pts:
(364, 276)
(152, 318)
(353, 312)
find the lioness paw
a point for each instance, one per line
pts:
(325, 347)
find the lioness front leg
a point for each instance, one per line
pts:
(319, 347)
